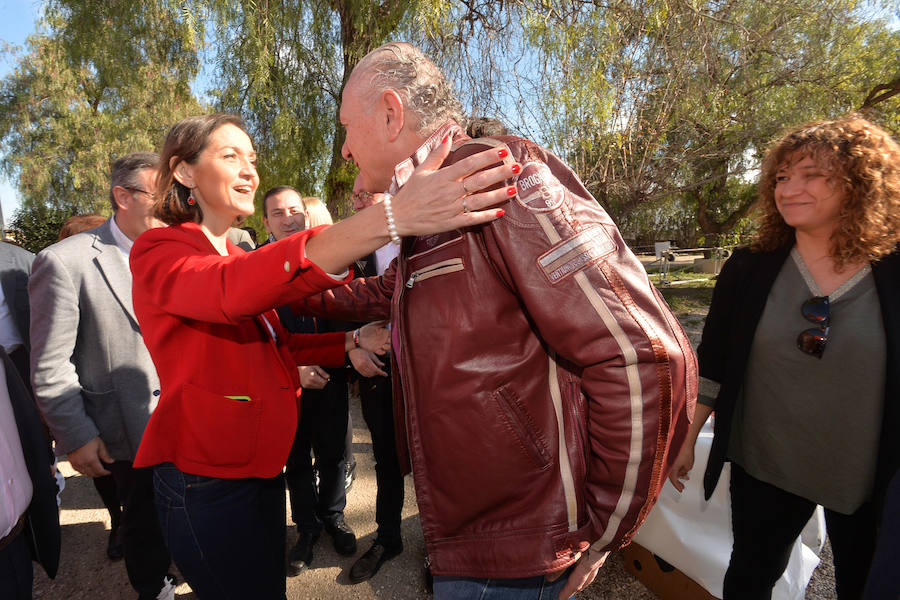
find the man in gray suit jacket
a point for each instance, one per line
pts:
(93, 377)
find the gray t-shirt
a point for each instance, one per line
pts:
(812, 426)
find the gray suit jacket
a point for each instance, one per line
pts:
(91, 372)
(15, 267)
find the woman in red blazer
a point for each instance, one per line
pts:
(228, 370)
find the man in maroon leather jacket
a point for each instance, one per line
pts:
(543, 386)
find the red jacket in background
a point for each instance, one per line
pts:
(229, 399)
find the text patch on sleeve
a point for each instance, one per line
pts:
(575, 253)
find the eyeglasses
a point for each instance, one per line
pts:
(817, 311)
(134, 189)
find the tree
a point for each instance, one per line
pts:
(101, 79)
(660, 101)
(282, 66)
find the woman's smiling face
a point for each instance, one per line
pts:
(224, 175)
(808, 195)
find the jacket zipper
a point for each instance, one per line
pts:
(441, 268)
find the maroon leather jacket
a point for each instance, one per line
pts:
(543, 386)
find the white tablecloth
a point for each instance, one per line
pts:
(695, 535)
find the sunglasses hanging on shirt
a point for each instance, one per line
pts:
(817, 311)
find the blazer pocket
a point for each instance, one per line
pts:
(218, 430)
(516, 416)
(105, 410)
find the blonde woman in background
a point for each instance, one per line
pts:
(316, 212)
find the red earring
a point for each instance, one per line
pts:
(190, 199)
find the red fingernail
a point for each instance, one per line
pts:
(446, 137)
(511, 191)
(503, 152)
(501, 212)
(516, 168)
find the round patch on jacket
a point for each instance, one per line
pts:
(538, 189)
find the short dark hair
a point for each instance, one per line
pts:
(125, 170)
(485, 127)
(185, 141)
(274, 192)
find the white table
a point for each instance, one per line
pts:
(695, 535)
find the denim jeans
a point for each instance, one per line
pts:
(525, 588)
(226, 536)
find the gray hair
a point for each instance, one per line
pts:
(402, 67)
(126, 169)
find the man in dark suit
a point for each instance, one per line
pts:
(323, 418)
(376, 398)
(29, 521)
(15, 268)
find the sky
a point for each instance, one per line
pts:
(17, 21)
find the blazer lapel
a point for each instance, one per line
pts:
(114, 267)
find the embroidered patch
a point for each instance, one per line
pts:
(538, 190)
(574, 254)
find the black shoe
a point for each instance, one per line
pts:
(114, 549)
(343, 537)
(369, 563)
(301, 555)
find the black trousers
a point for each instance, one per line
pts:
(766, 521)
(16, 570)
(146, 557)
(106, 488)
(322, 429)
(884, 578)
(376, 397)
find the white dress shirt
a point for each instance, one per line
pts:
(122, 241)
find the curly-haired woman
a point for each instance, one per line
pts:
(800, 356)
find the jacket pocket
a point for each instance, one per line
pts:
(580, 421)
(445, 267)
(218, 430)
(516, 416)
(105, 409)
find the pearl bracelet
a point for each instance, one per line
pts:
(389, 214)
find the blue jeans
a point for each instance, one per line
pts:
(525, 588)
(226, 536)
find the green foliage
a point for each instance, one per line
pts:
(694, 91)
(101, 79)
(37, 226)
(282, 68)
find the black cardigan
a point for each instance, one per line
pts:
(42, 517)
(737, 306)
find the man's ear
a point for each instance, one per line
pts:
(183, 173)
(266, 224)
(121, 196)
(394, 114)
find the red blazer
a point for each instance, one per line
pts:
(230, 393)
